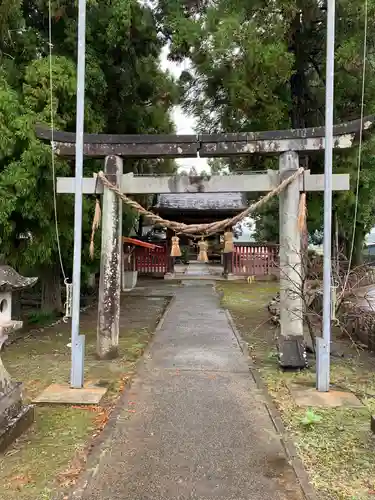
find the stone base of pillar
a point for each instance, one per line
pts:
(169, 276)
(292, 353)
(227, 263)
(15, 417)
(129, 280)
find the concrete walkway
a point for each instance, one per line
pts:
(193, 425)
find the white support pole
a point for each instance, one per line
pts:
(323, 346)
(78, 341)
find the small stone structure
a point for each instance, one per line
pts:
(15, 417)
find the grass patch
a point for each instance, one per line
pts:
(40, 318)
(52, 453)
(336, 445)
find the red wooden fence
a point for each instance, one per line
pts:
(247, 260)
(150, 261)
(255, 260)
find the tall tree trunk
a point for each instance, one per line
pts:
(51, 289)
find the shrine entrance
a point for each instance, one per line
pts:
(287, 183)
(242, 260)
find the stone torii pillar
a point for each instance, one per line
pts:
(110, 264)
(292, 352)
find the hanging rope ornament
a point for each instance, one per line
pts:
(95, 226)
(195, 229)
(203, 247)
(302, 213)
(175, 250)
(228, 242)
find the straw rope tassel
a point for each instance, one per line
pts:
(95, 226)
(175, 250)
(302, 213)
(228, 242)
(203, 247)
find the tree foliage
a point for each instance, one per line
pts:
(126, 92)
(260, 65)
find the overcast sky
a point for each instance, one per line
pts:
(185, 124)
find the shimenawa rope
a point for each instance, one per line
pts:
(194, 229)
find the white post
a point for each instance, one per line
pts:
(291, 345)
(324, 344)
(78, 341)
(110, 264)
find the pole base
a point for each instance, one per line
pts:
(322, 365)
(78, 363)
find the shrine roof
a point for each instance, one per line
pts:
(11, 280)
(202, 201)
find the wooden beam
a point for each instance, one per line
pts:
(260, 182)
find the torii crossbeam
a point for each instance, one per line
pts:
(206, 145)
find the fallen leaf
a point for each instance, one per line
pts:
(19, 481)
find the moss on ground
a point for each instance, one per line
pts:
(52, 452)
(339, 450)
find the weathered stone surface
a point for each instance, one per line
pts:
(173, 146)
(292, 352)
(110, 265)
(233, 183)
(16, 426)
(129, 280)
(203, 201)
(11, 280)
(14, 416)
(291, 313)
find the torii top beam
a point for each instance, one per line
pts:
(206, 145)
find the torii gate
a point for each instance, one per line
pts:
(287, 144)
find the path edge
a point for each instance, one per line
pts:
(76, 491)
(289, 447)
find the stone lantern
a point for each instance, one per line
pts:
(15, 417)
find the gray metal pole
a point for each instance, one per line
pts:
(323, 344)
(76, 379)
